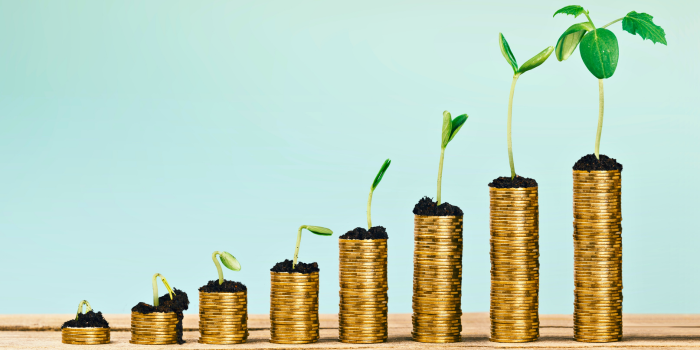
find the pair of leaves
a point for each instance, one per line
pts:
(450, 126)
(321, 231)
(380, 175)
(532, 63)
(229, 261)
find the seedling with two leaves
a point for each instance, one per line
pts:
(321, 231)
(450, 127)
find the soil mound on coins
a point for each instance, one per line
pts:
(89, 319)
(518, 182)
(226, 287)
(179, 303)
(590, 162)
(376, 232)
(286, 266)
(427, 207)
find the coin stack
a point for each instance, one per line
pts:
(363, 291)
(437, 279)
(223, 318)
(158, 328)
(294, 308)
(85, 336)
(597, 256)
(514, 265)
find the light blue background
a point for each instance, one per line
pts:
(138, 137)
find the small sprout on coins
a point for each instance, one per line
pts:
(321, 231)
(450, 127)
(376, 182)
(80, 308)
(228, 260)
(155, 288)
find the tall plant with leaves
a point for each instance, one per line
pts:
(450, 127)
(530, 64)
(599, 48)
(377, 180)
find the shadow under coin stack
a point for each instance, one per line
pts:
(597, 256)
(514, 264)
(223, 318)
(85, 336)
(294, 308)
(363, 291)
(437, 279)
(158, 328)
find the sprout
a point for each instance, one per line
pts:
(80, 308)
(155, 288)
(599, 49)
(377, 179)
(450, 127)
(532, 63)
(321, 231)
(228, 260)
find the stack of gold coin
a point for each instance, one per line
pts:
(85, 336)
(223, 318)
(158, 328)
(294, 308)
(514, 265)
(597, 256)
(363, 291)
(437, 279)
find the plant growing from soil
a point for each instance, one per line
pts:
(599, 49)
(175, 301)
(80, 308)
(530, 64)
(321, 231)
(450, 127)
(89, 319)
(228, 260)
(156, 302)
(377, 180)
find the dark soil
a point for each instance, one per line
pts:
(590, 162)
(226, 287)
(286, 266)
(89, 319)
(427, 207)
(518, 182)
(376, 232)
(179, 303)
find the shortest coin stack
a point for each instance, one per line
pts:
(223, 318)
(294, 308)
(158, 328)
(85, 336)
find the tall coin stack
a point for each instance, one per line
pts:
(294, 308)
(158, 328)
(514, 264)
(597, 256)
(437, 279)
(223, 318)
(363, 291)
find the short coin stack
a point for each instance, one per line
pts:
(158, 328)
(85, 336)
(437, 279)
(294, 308)
(223, 318)
(514, 264)
(597, 256)
(363, 291)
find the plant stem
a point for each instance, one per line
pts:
(156, 302)
(218, 266)
(296, 251)
(613, 22)
(80, 308)
(601, 104)
(369, 210)
(439, 190)
(589, 19)
(510, 119)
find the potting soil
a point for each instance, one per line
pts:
(376, 232)
(89, 319)
(226, 287)
(286, 266)
(590, 162)
(427, 207)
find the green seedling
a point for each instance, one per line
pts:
(599, 49)
(530, 64)
(80, 308)
(450, 127)
(377, 179)
(321, 231)
(155, 288)
(228, 260)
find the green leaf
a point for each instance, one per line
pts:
(446, 128)
(570, 39)
(457, 124)
(320, 230)
(574, 10)
(507, 54)
(229, 261)
(380, 174)
(536, 60)
(642, 24)
(600, 52)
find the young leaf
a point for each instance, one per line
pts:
(229, 261)
(507, 54)
(320, 230)
(380, 174)
(446, 128)
(600, 52)
(642, 24)
(574, 10)
(457, 124)
(568, 41)
(536, 61)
